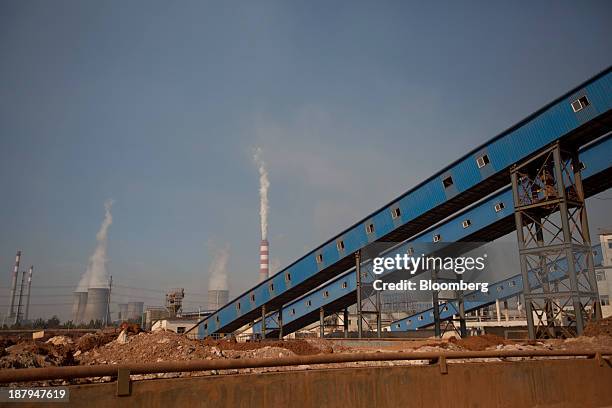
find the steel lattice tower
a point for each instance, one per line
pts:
(551, 224)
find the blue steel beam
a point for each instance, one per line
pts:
(486, 225)
(501, 290)
(456, 186)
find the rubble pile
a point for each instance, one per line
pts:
(167, 346)
(132, 346)
(299, 347)
(27, 354)
(92, 340)
(146, 348)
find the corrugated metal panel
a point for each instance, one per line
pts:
(509, 147)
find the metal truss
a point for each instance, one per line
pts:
(368, 299)
(551, 224)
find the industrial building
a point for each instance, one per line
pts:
(176, 325)
(604, 273)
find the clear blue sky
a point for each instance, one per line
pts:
(159, 104)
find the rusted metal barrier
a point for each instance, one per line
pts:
(125, 370)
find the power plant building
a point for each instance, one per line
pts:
(123, 311)
(135, 310)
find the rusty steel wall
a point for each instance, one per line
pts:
(558, 383)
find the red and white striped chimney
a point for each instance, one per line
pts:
(11, 311)
(264, 261)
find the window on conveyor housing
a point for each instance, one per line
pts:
(447, 182)
(396, 212)
(482, 161)
(580, 103)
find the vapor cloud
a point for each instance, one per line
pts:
(217, 270)
(96, 275)
(264, 185)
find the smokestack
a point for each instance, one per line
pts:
(18, 314)
(11, 311)
(264, 261)
(27, 310)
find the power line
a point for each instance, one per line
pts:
(115, 285)
(158, 290)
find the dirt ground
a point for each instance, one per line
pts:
(112, 348)
(601, 328)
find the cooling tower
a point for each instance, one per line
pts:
(217, 299)
(264, 261)
(78, 307)
(123, 311)
(135, 310)
(97, 305)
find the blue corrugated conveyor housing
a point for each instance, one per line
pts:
(501, 290)
(460, 184)
(487, 224)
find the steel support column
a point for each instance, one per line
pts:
(378, 315)
(263, 322)
(321, 322)
(359, 305)
(436, 305)
(346, 323)
(460, 303)
(280, 323)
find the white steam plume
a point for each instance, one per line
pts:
(96, 276)
(217, 270)
(264, 185)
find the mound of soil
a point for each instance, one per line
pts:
(36, 354)
(479, 343)
(299, 347)
(601, 327)
(90, 341)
